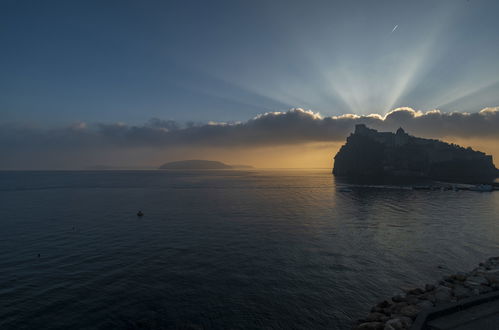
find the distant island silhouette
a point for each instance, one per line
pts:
(196, 164)
(369, 153)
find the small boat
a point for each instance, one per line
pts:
(140, 213)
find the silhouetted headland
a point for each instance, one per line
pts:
(372, 154)
(199, 165)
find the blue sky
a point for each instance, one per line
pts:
(129, 61)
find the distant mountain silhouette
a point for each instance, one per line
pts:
(241, 166)
(196, 164)
(116, 168)
(369, 153)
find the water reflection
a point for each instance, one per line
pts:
(245, 249)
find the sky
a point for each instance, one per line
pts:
(142, 82)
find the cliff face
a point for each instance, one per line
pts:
(369, 153)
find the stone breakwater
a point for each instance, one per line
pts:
(400, 311)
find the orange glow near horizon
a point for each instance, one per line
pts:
(305, 155)
(309, 155)
(320, 155)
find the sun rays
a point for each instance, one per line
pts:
(360, 71)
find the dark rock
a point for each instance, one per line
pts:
(425, 304)
(413, 300)
(415, 291)
(442, 294)
(426, 296)
(398, 322)
(394, 324)
(492, 276)
(482, 289)
(383, 304)
(478, 271)
(376, 317)
(410, 311)
(370, 326)
(459, 277)
(429, 287)
(398, 298)
(396, 308)
(406, 321)
(493, 260)
(447, 284)
(461, 292)
(449, 279)
(475, 281)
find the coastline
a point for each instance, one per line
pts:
(401, 311)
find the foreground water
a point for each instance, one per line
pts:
(223, 249)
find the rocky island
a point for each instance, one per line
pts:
(197, 164)
(369, 153)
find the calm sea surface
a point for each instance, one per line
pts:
(223, 249)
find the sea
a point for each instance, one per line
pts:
(253, 249)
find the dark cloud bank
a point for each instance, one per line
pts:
(280, 128)
(291, 127)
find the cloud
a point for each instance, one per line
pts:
(293, 127)
(274, 128)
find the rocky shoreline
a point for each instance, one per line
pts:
(400, 311)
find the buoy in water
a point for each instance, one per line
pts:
(140, 213)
